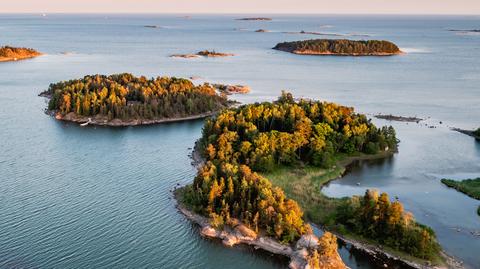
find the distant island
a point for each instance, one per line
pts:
(152, 26)
(391, 117)
(470, 187)
(261, 31)
(325, 34)
(340, 47)
(232, 89)
(125, 100)
(255, 19)
(203, 53)
(8, 53)
(264, 165)
(465, 31)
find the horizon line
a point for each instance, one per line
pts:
(234, 13)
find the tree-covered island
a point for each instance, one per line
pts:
(340, 47)
(264, 165)
(124, 99)
(8, 53)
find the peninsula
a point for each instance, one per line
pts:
(473, 133)
(8, 53)
(340, 47)
(470, 187)
(125, 100)
(264, 165)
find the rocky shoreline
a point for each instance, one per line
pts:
(374, 252)
(377, 253)
(103, 121)
(240, 234)
(317, 53)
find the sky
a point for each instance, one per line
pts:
(244, 6)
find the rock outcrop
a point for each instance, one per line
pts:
(308, 253)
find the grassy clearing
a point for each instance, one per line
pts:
(304, 184)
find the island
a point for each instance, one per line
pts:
(255, 19)
(8, 53)
(391, 117)
(232, 89)
(340, 47)
(264, 165)
(470, 187)
(261, 31)
(325, 34)
(465, 31)
(126, 100)
(203, 53)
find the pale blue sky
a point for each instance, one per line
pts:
(244, 6)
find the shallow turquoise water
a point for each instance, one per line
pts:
(75, 197)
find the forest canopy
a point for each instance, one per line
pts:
(340, 47)
(259, 137)
(262, 137)
(8, 53)
(125, 96)
(477, 132)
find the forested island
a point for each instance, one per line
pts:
(264, 165)
(124, 100)
(340, 47)
(391, 117)
(8, 53)
(470, 187)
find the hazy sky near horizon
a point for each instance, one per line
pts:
(244, 6)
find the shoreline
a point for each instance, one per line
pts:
(240, 234)
(83, 121)
(20, 58)
(467, 132)
(100, 120)
(328, 53)
(372, 251)
(376, 252)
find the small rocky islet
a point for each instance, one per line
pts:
(340, 47)
(8, 53)
(203, 53)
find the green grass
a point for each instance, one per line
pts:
(470, 187)
(304, 184)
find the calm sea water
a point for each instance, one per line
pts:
(73, 197)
